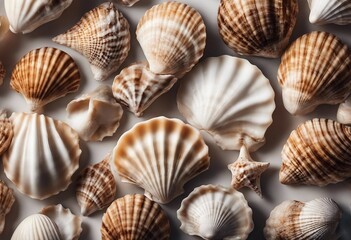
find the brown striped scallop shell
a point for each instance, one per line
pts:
(6, 201)
(6, 132)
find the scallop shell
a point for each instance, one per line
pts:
(4, 26)
(26, 15)
(173, 38)
(314, 220)
(6, 201)
(128, 3)
(2, 73)
(315, 70)
(41, 170)
(344, 112)
(95, 115)
(102, 36)
(160, 155)
(257, 27)
(6, 132)
(215, 212)
(137, 87)
(96, 187)
(135, 217)
(44, 75)
(318, 153)
(229, 98)
(330, 11)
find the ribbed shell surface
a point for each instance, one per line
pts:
(330, 11)
(6, 201)
(6, 134)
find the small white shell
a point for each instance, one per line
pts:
(344, 112)
(330, 11)
(6, 201)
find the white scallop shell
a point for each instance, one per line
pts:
(330, 11)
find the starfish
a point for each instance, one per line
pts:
(246, 172)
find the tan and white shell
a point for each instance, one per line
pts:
(344, 112)
(6, 132)
(330, 11)
(6, 201)
(4, 26)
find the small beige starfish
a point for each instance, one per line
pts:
(246, 172)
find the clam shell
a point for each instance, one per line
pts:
(95, 115)
(160, 155)
(6, 132)
(102, 36)
(2, 73)
(314, 220)
(44, 75)
(173, 38)
(96, 187)
(26, 15)
(215, 212)
(137, 87)
(318, 153)
(316, 69)
(4, 26)
(41, 170)
(6, 201)
(135, 217)
(257, 27)
(330, 11)
(344, 112)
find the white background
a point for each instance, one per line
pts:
(15, 46)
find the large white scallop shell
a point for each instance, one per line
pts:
(6, 201)
(330, 11)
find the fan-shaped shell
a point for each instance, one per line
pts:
(214, 212)
(330, 11)
(4, 26)
(135, 217)
(2, 73)
(95, 115)
(96, 187)
(44, 75)
(316, 69)
(160, 155)
(6, 132)
(257, 27)
(229, 98)
(43, 155)
(6, 201)
(318, 153)
(173, 38)
(102, 36)
(26, 15)
(314, 220)
(137, 87)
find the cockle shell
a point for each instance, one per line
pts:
(128, 3)
(2, 73)
(318, 153)
(43, 155)
(330, 11)
(137, 87)
(314, 220)
(215, 212)
(6, 201)
(173, 38)
(6, 132)
(44, 75)
(102, 36)
(316, 69)
(96, 187)
(135, 217)
(26, 15)
(344, 112)
(257, 27)
(4, 26)
(160, 155)
(95, 115)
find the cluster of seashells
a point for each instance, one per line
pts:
(225, 96)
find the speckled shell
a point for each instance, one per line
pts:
(44, 75)
(318, 153)
(6, 201)
(215, 212)
(330, 11)
(137, 87)
(2, 73)
(6, 132)
(135, 217)
(173, 38)
(160, 155)
(128, 3)
(96, 187)
(102, 36)
(41, 170)
(314, 220)
(257, 27)
(316, 69)
(26, 15)
(4, 26)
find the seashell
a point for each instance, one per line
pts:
(6, 132)
(4, 26)
(315, 70)
(172, 36)
(96, 187)
(41, 170)
(27, 15)
(137, 87)
(257, 27)
(135, 217)
(215, 212)
(230, 99)
(344, 112)
(2, 73)
(95, 115)
(6, 201)
(330, 11)
(160, 155)
(318, 153)
(44, 75)
(128, 3)
(102, 36)
(294, 220)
